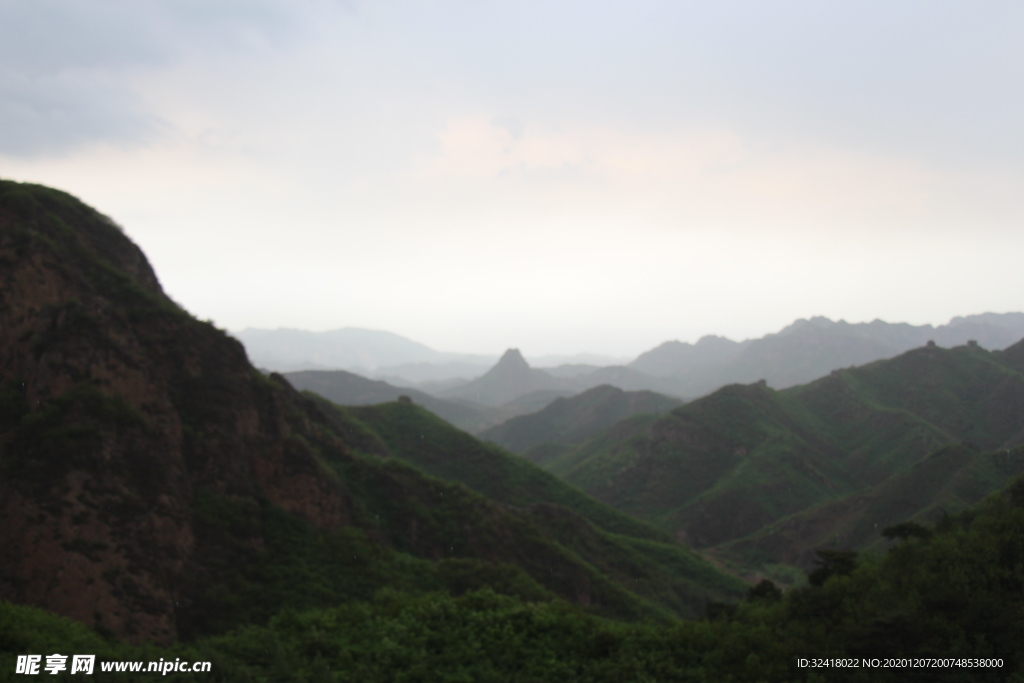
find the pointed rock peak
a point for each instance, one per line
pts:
(513, 359)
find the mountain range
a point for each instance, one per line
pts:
(762, 478)
(915, 461)
(800, 353)
(509, 389)
(377, 354)
(350, 389)
(566, 421)
(347, 348)
(156, 486)
(809, 349)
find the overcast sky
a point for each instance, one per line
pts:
(558, 176)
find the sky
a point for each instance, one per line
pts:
(558, 176)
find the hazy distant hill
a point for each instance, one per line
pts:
(413, 374)
(732, 464)
(348, 348)
(571, 369)
(382, 355)
(348, 389)
(511, 378)
(623, 377)
(801, 352)
(514, 384)
(576, 419)
(675, 358)
(809, 349)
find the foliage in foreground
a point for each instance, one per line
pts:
(955, 591)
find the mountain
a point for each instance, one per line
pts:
(415, 374)
(156, 486)
(571, 369)
(801, 352)
(955, 588)
(732, 464)
(549, 361)
(349, 389)
(948, 480)
(622, 377)
(675, 358)
(512, 381)
(658, 569)
(509, 379)
(377, 354)
(347, 348)
(573, 420)
(809, 349)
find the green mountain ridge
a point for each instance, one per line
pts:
(646, 559)
(572, 420)
(735, 463)
(948, 481)
(346, 388)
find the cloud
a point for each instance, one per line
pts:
(697, 178)
(68, 69)
(634, 158)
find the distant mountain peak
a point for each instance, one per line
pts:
(509, 379)
(513, 359)
(714, 341)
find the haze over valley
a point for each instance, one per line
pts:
(800, 352)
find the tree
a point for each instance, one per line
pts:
(832, 563)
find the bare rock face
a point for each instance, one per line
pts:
(116, 409)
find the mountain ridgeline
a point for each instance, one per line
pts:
(567, 421)
(349, 389)
(155, 486)
(809, 349)
(511, 378)
(762, 478)
(509, 389)
(800, 353)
